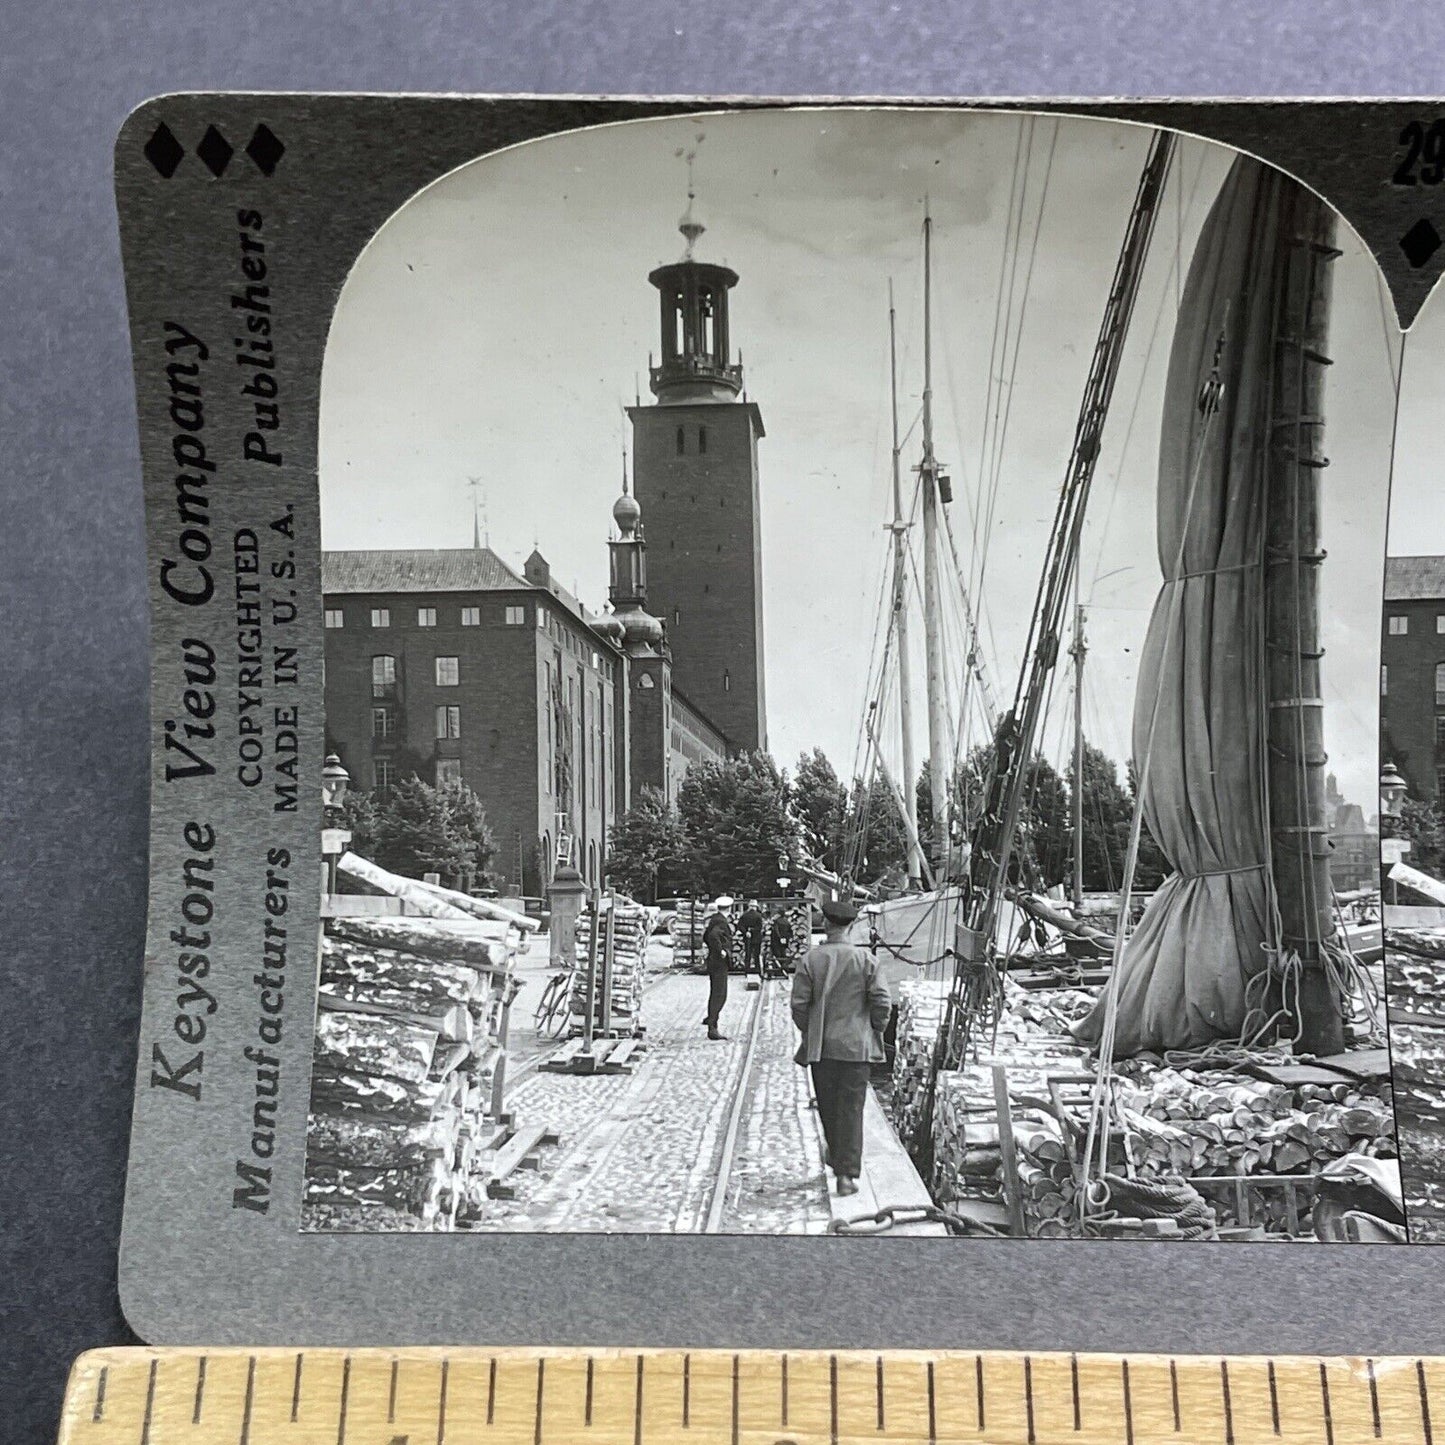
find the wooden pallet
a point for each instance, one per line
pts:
(607, 1056)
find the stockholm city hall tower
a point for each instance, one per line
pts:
(695, 474)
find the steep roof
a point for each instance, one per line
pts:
(1414, 579)
(448, 569)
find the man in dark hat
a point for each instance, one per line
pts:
(841, 1006)
(750, 925)
(717, 939)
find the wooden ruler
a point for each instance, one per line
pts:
(751, 1397)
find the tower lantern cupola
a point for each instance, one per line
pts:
(696, 363)
(627, 591)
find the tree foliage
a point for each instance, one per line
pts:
(413, 828)
(736, 823)
(648, 841)
(1107, 813)
(820, 804)
(1422, 823)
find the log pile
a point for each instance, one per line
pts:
(409, 1042)
(1168, 1122)
(686, 927)
(1415, 973)
(631, 927)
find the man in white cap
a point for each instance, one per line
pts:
(717, 938)
(841, 1006)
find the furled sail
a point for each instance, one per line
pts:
(1190, 974)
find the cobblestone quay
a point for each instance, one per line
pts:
(640, 1152)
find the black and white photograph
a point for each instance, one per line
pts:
(851, 641)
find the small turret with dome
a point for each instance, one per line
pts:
(637, 628)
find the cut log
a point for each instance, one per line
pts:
(463, 941)
(367, 1044)
(413, 1191)
(360, 1141)
(454, 1024)
(384, 975)
(481, 907)
(343, 1091)
(349, 865)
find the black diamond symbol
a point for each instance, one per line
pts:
(164, 151)
(1420, 242)
(265, 149)
(215, 150)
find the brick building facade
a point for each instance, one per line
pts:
(1412, 673)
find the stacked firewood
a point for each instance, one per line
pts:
(686, 927)
(920, 1017)
(620, 1011)
(1415, 974)
(408, 1048)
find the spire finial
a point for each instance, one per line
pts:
(479, 512)
(691, 229)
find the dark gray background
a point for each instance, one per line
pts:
(73, 650)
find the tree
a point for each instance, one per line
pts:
(647, 840)
(1107, 814)
(1153, 867)
(1044, 828)
(736, 823)
(881, 843)
(1422, 824)
(820, 804)
(414, 828)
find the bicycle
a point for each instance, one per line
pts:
(553, 1011)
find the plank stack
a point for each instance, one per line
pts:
(408, 1068)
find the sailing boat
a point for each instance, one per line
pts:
(1240, 945)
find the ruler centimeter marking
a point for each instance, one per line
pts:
(751, 1397)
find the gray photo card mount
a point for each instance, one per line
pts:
(834, 680)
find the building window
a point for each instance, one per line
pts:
(645, 681)
(447, 672)
(1440, 782)
(1440, 684)
(426, 617)
(1399, 625)
(335, 617)
(381, 616)
(383, 676)
(471, 616)
(702, 439)
(449, 772)
(681, 442)
(383, 722)
(516, 616)
(596, 661)
(449, 721)
(727, 681)
(676, 616)
(1439, 729)
(385, 772)
(1384, 682)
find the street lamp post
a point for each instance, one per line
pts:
(1393, 848)
(335, 780)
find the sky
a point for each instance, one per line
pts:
(497, 325)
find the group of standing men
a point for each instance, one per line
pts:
(719, 942)
(839, 1003)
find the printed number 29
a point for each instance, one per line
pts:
(1424, 160)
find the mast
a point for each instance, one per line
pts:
(1299, 835)
(900, 618)
(932, 607)
(1077, 652)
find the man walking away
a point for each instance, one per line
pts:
(780, 938)
(717, 939)
(840, 1005)
(751, 927)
